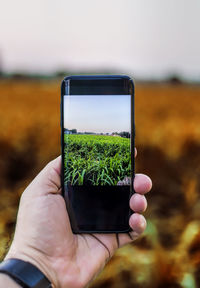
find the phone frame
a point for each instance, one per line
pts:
(65, 90)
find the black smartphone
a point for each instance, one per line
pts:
(97, 136)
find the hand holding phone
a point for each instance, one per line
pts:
(43, 234)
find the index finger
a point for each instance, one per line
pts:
(142, 183)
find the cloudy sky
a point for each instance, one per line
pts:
(150, 38)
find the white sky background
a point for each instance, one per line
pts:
(97, 113)
(149, 38)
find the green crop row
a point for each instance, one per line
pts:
(96, 159)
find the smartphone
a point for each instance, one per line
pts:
(97, 137)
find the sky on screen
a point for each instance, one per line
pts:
(97, 113)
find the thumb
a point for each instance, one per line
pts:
(48, 181)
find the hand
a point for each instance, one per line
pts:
(43, 234)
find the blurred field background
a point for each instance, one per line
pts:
(168, 143)
(156, 42)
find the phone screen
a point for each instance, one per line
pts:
(97, 162)
(97, 140)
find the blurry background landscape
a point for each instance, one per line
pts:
(158, 44)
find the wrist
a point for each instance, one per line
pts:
(37, 259)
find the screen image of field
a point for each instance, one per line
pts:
(97, 147)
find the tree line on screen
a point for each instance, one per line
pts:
(123, 134)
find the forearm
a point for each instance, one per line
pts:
(7, 281)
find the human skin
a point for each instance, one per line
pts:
(43, 234)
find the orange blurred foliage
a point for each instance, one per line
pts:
(168, 143)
